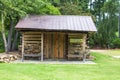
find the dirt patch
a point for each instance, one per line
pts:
(96, 50)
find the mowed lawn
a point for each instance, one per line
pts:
(114, 52)
(106, 68)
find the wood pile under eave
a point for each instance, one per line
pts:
(32, 49)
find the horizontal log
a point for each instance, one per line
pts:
(32, 32)
(31, 42)
(33, 55)
(75, 37)
(73, 55)
(35, 39)
(36, 36)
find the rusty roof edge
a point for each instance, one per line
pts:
(22, 29)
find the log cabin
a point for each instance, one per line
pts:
(55, 36)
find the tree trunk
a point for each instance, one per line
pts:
(10, 34)
(91, 5)
(15, 41)
(5, 41)
(3, 33)
(119, 23)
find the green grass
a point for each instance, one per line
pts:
(111, 52)
(107, 68)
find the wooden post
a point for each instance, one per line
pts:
(84, 45)
(41, 46)
(22, 47)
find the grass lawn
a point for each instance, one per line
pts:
(109, 52)
(107, 68)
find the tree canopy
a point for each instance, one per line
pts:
(11, 11)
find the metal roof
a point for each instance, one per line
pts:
(58, 23)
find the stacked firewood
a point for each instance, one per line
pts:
(32, 49)
(7, 58)
(74, 49)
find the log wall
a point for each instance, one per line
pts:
(53, 45)
(32, 42)
(73, 46)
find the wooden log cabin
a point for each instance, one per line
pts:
(55, 37)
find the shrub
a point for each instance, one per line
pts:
(116, 43)
(91, 43)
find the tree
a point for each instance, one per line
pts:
(11, 11)
(3, 30)
(75, 7)
(107, 23)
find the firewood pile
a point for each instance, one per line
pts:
(74, 49)
(6, 58)
(77, 50)
(32, 49)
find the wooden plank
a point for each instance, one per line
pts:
(55, 37)
(84, 45)
(73, 55)
(42, 46)
(46, 45)
(36, 36)
(66, 45)
(33, 55)
(32, 33)
(50, 46)
(22, 47)
(84, 42)
(32, 39)
(61, 46)
(44, 42)
(75, 37)
(73, 34)
(31, 42)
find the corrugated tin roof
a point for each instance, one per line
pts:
(59, 23)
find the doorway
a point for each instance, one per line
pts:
(54, 45)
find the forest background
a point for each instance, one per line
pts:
(105, 14)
